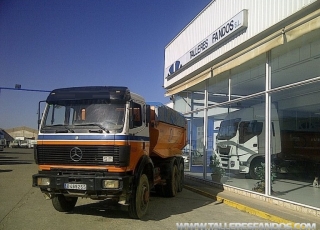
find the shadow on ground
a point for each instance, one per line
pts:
(159, 207)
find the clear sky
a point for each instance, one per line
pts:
(48, 44)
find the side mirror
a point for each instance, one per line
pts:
(39, 118)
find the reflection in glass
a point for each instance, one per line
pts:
(228, 129)
(240, 141)
(298, 162)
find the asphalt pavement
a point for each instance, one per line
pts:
(24, 207)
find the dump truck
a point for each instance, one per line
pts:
(106, 142)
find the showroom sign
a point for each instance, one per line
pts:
(235, 24)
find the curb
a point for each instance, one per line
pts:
(241, 207)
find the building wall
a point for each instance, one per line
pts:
(282, 80)
(262, 14)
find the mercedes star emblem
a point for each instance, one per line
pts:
(76, 154)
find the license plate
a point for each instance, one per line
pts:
(75, 186)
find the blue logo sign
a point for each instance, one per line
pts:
(174, 67)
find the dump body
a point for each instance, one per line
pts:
(167, 132)
(105, 142)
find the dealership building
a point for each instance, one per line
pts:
(246, 74)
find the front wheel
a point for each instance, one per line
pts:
(64, 204)
(255, 168)
(139, 200)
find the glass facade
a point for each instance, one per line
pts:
(241, 125)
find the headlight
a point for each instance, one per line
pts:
(110, 184)
(242, 163)
(43, 181)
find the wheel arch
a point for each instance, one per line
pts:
(255, 157)
(144, 166)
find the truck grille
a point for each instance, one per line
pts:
(224, 156)
(78, 155)
(224, 151)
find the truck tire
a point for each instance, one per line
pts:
(64, 204)
(254, 167)
(171, 187)
(181, 177)
(139, 200)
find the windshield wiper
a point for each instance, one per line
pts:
(94, 124)
(66, 130)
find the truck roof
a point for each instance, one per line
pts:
(119, 93)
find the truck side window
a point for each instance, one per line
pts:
(136, 115)
(249, 129)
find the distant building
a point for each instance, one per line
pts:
(7, 137)
(22, 131)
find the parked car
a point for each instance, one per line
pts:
(197, 157)
(23, 143)
(15, 144)
(186, 158)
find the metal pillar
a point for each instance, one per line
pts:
(191, 129)
(268, 126)
(205, 130)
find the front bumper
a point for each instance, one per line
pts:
(93, 182)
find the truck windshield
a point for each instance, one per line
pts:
(228, 129)
(85, 115)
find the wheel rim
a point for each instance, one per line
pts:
(144, 197)
(175, 179)
(256, 167)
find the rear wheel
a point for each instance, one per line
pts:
(181, 177)
(64, 204)
(139, 200)
(171, 187)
